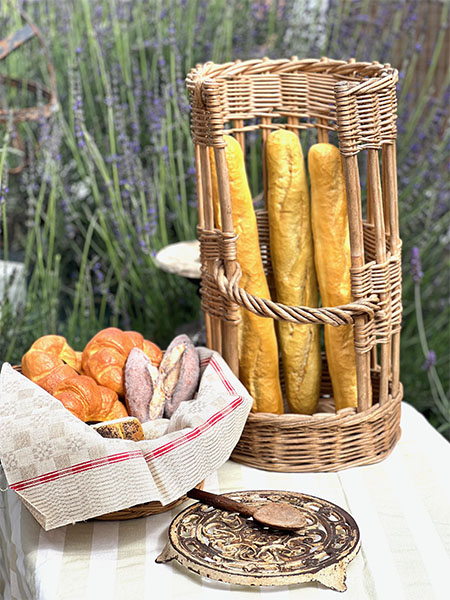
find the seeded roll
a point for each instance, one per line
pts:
(128, 428)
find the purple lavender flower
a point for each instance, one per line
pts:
(97, 268)
(416, 265)
(3, 193)
(430, 360)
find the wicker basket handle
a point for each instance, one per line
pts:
(335, 315)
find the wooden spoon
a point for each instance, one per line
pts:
(278, 515)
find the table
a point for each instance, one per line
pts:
(402, 507)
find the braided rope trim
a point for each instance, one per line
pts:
(335, 315)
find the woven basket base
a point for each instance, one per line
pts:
(143, 510)
(321, 442)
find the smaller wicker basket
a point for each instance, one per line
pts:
(144, 510)
(140, 510)
(358, 101)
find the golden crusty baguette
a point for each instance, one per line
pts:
(292, 255)
(332, 257)
(258, 349)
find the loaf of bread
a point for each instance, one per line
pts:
(178, 378)
(127, 428)
(140, 382)
(89, 401)
(258, 349)
(292, 256)
(333, 261)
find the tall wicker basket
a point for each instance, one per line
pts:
(358, 100)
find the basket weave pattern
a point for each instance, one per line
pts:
(358, 100)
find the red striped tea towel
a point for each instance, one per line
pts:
(65, 472)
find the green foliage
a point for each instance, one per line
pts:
(110, 179)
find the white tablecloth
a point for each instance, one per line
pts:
(402, 507)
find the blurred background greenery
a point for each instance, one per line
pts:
(110, 178)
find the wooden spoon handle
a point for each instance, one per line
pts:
(221, 502)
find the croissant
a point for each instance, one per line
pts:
(89, 401)
(105, 355)
(49, 360)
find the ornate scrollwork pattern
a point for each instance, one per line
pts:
(238, 546)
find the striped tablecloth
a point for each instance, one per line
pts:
(402, 507)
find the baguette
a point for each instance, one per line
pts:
(333, 261)
(258, 348)
(292, 255)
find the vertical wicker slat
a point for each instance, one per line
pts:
(229, 326)
(358, 101)
(374, 184)
(395, 248)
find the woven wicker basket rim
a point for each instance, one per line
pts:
(367, 76)
(325, 420)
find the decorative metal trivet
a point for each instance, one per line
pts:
(233, 549)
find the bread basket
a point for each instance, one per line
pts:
(358, 101)
(140, 510)
(49, 453)
(143, 510)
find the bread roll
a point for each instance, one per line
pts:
(258, 349)
(333, 261)
(89, 401)
(55, 377)
(178, 378)
(127, 428)
(140, 383)
(49, 361)
(292, 256)
(105, 355)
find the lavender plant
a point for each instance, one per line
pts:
(110, 179)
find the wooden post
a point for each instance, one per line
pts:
(208, 214)
(387, 224)
(374, 184)
(201, 222)
(353, 192)
(264, 136)
(392, 200)
(229, 330)
(239, 135)
(322, 134)
(369, 219)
